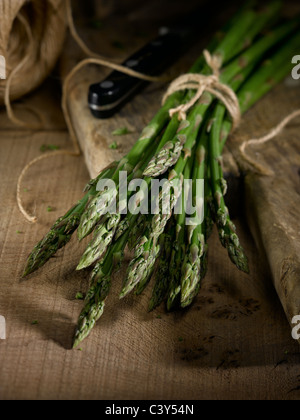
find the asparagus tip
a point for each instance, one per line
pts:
(27, 271)
(81, 266)
(76, 342)
(122, 295)
(170, 305)
(151, 307)
(244, 266)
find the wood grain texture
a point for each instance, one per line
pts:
(234, 343)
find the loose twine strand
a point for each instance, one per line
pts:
(263, 140)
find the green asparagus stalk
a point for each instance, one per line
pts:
(196, 247)
(163, 273)
(219, 134)
(61, 232)
(179, 248)
(140, 268)
(227, 230)
(99, 290)
(103, 237)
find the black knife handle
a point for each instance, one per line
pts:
(107, 97)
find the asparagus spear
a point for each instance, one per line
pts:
(103, 237)
(61, 232)
(99, 290)
(220, 130)
(179, 248)
(141, 267)
(163, 273)
(227, 230)
(94, 306)
(176, 261)
(191, 277)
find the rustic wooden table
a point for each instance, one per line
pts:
(234, 343)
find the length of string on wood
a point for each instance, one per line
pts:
(101, 60)
(202, 83)
(263, 140)
(28, 217)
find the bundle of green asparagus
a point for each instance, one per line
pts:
(255, 50)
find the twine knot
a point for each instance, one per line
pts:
(205, 83)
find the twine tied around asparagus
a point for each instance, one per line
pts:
(202, 83)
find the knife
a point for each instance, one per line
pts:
(109, 96)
